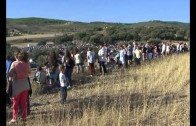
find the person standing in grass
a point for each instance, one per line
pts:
(69, 64)
(19, 73)
(91, 60)
(102, 59)
(122, 56)
(78, 61)
(63, 84)
(129, 53)
(138, 55)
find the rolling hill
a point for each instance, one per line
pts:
(43, 25)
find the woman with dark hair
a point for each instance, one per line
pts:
(69, 64)
(19, 73)
(52, 62)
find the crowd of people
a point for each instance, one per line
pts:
(58, 67)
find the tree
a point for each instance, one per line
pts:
(42, 42)
(188, 35)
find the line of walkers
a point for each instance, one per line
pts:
(58, 69)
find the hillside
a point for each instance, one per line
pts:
(154, 94)
(43, 25)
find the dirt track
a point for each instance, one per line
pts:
(33, 36)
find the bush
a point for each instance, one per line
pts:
(10, 50)
(155, 41)
(41, 60)
(37, 52)
(43, 42)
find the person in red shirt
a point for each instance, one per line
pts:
(18, 76)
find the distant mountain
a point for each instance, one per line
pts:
(43, 25)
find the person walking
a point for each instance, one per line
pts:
(19, 73)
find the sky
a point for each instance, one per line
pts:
(116, 11)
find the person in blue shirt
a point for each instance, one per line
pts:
(8, 64)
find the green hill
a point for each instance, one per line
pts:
(43, 25)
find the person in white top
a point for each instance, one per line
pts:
(78, 61)
(178, 48)
(122, 55)
(134, 48)
(167, 49)
(181, 46)
(91, 60)
(102, 59)
(163, 48)
(63, 83)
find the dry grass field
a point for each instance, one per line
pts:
(155, 94)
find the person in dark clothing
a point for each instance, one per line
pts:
(69, 64)
(8, 64)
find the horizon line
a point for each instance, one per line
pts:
(100, 21)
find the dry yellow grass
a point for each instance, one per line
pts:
(155, 94)
(28, 36)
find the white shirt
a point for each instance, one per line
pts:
(178, 46)
(90, 56)
(102, 55)
(77, 58)
(163, 47)
(167, 48)
(62, 79)
(122, 55)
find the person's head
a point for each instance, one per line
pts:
(16, 54)
(101, 45)
(134, 42)
(61, 68)
(46, 64)
(61, 53)
(23, 56)
(67, 53)
(89, 49)
(105, 45)
(76, 51)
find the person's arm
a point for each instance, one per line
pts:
(10, 76)
(30, 90)
(11, 72)
(7, 85)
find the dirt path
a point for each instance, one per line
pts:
(27, 36)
